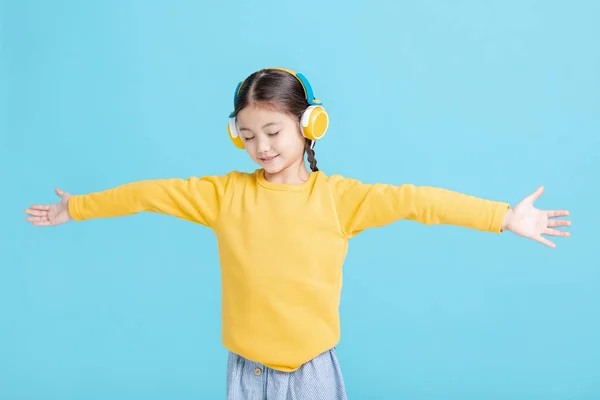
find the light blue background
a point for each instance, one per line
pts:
(488, 98)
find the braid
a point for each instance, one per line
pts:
(311, 156)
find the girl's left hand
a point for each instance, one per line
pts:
(527, 221)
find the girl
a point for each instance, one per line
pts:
(283, 235)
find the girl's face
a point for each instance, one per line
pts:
(271, 138)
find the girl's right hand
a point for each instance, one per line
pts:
(50, 215)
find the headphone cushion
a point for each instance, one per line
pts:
(314, 122)
(234, 134)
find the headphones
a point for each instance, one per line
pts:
(313, 123)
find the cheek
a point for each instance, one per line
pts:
(299, 146)
(293, 144)
(250, 148)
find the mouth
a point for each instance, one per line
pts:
(268, 159)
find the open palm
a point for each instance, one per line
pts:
(527, 221)
(50, 215)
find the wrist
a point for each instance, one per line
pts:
(507, 218)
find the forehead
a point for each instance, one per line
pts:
(254, 116)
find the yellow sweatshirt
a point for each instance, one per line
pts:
(282, 247)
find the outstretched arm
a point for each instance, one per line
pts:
(194, 199)
(361, 206)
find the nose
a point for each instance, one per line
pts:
(264, 145)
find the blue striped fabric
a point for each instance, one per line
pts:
(318, 379)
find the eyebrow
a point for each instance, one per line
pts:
(264, 126)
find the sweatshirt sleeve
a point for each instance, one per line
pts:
(361, 206)
(196, 199)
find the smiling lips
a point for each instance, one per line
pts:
(268, 159)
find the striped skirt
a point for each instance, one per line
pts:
(318, 379)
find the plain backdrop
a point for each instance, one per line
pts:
(492, 99)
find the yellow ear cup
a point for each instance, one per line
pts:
(234, 135)
(314, 122)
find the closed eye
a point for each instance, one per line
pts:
(274, 134)
(248, 138)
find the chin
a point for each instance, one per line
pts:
(272, 169)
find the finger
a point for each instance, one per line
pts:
(546, 242)
(36, 219)
(61, 193)
(36, 213)
(554, 232)
(557, 213)
(39, 207)
(536, 195)
(558, 222)
(41, 223)
(31, 219)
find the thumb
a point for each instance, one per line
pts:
(535, 195)
(60, 193)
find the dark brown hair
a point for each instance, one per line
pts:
(278, 89)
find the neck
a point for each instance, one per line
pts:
(295, 174)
